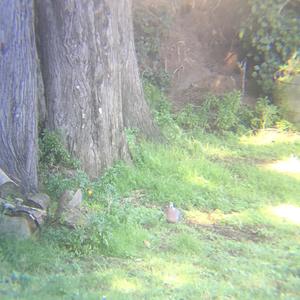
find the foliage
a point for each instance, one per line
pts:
(287, 71)
(89, 239)
(150, 26)
(216, 114)
(227, 114)
(284, 125)
(270, 37)
(189, 118)
(266, 114)
(53, 153)
(56, 182)
(58, 170)
(159, 104)
(227, 111)
(161, 110)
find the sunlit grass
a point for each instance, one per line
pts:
(124, 285)
(287, 212)
(270, 136)
(289, 166)
(239, 238)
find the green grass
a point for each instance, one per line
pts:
(233, 243)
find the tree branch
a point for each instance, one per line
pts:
(283, 6)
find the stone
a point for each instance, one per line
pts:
(18, 209)
(39, 215)
(7, 186)
(40, 201)
(17, 227)
(76, 200)
(4, 178)
(64, 200)
(69, 211)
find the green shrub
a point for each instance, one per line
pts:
(58, 170)
(52, 152)
(284, 125)
(84, 240)
(265, 114)
(56, 182)
(216, 114)
(159, 104)
(189, 118)
(228, 114)
(228, 108)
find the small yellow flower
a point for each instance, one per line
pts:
(147, 244)
(90, 193)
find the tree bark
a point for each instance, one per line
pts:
(18, 93)
(90, 76)
(136, 111)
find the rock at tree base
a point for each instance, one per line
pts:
(19, 220)
(7, 186)
(40, 201)
(16, 227)
(69, 211)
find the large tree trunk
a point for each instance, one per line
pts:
(89, 70)
(135, 109)
(18, 93)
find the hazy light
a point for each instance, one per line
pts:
(290, 165)
(270, 136)
(288, 212)
(124, 285)
(198, 217)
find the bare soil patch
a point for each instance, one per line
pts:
(200, 52)
(236, 234)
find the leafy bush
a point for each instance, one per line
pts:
(58, 170)
(85, 240)
(224, 114)
(265, 115)
(56, 182)
(189, 118)
(52, 152)
(284, 125)
(228, 108)
(134, 146)
(159, 104)
(217, 114)
(270, 37)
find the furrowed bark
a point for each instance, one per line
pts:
(18, 93)
(91, 79)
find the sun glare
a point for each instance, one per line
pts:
(290, 165)
(287, 212)
(124, 285)
(270, 136)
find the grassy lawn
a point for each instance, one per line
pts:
(239, 238)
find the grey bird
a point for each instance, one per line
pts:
(173, 215)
